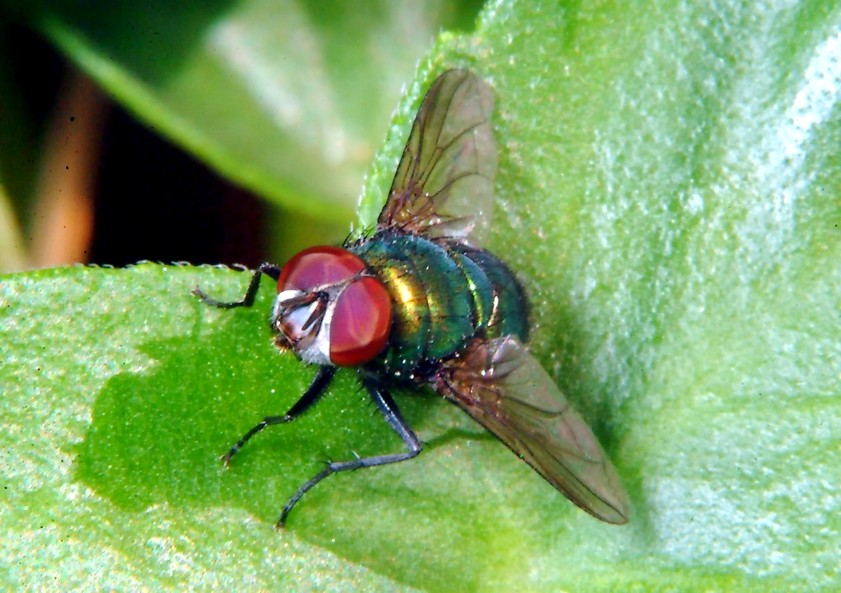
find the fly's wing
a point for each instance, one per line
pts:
(443, 186)
(506, 390)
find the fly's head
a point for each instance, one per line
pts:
(330, 310)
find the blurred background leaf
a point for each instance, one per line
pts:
(286, 99)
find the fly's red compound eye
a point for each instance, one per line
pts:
(318, 266)
(361, 323)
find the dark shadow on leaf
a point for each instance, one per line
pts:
(156, 438)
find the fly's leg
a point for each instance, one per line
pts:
(385, 403)
(269, 270)
(311, 395)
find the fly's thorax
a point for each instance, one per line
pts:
(443, 295)
(330, 310)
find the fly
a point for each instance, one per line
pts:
(419, 302)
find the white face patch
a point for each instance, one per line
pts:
(292, 312)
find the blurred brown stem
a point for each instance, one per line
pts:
(63, 216)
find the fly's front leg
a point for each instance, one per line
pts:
(385, 403)
(311, 395)
(269, 270)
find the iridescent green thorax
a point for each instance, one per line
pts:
(443, 295)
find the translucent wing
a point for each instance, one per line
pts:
(443, 186)
(506, 390)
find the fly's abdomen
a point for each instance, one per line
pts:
(500, 302)
(443, 295)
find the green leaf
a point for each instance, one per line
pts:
(669, 192)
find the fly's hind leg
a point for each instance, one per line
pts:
(385, 404)
(270, 270)
(311, 395)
